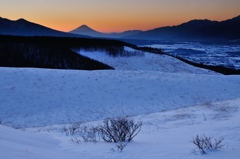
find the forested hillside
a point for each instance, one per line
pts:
(53, 52)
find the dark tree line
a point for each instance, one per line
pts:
(59, 52)
(22, 55)
(51, 52)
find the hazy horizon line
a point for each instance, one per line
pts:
(84, 24)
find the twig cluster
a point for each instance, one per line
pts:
(205, 143)
(86, 132)
(119, 129)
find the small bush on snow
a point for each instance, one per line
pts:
(205, 143)
(86, 132)
(89, 134)
(72, 128)
(119, 129)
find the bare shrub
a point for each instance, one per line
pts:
(89, 134)
(72, 128)
(86, 133)
(119, 129)
(205, 143)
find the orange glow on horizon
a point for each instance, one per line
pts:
(113, 27)
(117, 16)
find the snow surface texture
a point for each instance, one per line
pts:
(175, 103)
(164, 135)
(38, 97)
(145, 61)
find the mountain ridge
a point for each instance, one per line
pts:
(22, 27)
(194, 30)
(86, 30)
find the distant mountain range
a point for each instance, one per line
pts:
(192, 30)
(23, 27)
(85, 30)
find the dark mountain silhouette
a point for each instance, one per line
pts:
(195, 30)
(22, 27)
(85, 30)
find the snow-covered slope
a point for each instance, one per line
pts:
(164, 135)
(175, 101)
(145, 61)
(39, 97)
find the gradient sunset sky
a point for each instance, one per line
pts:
(117, 15)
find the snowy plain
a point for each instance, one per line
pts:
(175, 101)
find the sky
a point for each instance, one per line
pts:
(117, 15)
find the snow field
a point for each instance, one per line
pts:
(175, 101)
(145, 61)
(41, 97)
(164, 135)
